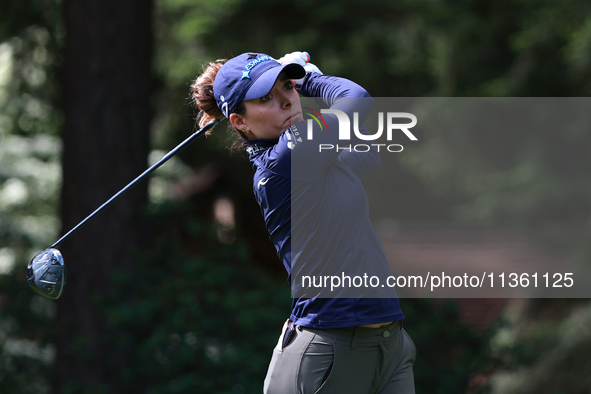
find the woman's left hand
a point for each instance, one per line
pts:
(301, 58)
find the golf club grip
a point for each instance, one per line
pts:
(173, 152)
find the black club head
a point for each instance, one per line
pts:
(46, 273)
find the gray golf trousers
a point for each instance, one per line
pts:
(352, 360)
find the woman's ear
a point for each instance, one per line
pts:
(238, 122)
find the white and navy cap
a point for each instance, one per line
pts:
(249, 76)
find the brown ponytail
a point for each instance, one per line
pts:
(203, 99)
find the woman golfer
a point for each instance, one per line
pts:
(316, 211)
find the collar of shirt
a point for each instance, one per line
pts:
(255, 146)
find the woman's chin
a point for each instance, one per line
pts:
(295, 119)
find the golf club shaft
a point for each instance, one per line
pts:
(173, 152)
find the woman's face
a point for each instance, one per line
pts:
(269, 116)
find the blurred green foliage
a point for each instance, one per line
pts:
(542, 346)
(30, 178)
(449, 352)
(191, 322)
(27, 348)
(30, 118)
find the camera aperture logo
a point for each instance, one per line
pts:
(392, 122)
(316, 116)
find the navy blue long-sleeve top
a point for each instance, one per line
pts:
(316, 211)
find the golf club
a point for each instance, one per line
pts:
(46, 273)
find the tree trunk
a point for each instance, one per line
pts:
(107, 85)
